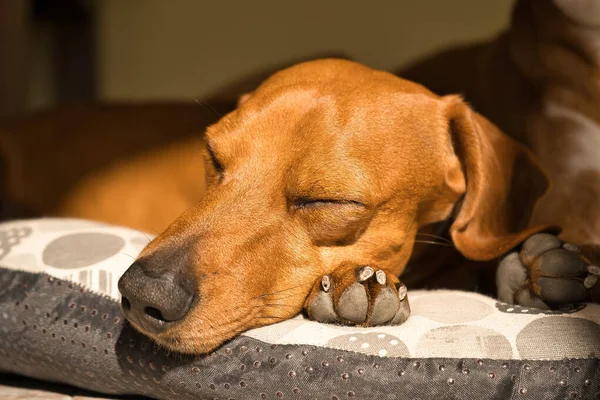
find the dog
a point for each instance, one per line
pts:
(318, 186)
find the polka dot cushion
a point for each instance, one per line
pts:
(60, 321)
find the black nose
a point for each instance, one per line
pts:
(154, 300)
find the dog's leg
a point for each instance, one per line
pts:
(358, 295)
(547, 273)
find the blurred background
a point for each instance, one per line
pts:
(55, 51)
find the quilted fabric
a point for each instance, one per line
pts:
(60, 321)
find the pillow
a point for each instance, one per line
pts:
(60, 321)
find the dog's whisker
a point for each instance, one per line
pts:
(282, 298)
(432, 242)
(275, 305)
(129, 255)
(276, 317)
(261, 305)
(435, 236)
(283, 290)
(147, 237)
(145, 234)
(206, 104)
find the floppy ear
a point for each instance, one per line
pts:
(504, 183)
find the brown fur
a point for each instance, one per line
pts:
(383, 157)
(379, 158)
(548, 60)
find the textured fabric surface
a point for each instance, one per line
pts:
(457, 324)
(442, 324)
(90, 253)
(58, 331)
(60, 321)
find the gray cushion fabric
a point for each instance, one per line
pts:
(456, 345)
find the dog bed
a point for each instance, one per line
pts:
(60, 321)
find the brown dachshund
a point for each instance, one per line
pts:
(318, 186)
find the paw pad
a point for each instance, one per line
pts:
(546, 273)
(360, 295)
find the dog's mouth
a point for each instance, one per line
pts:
(199, 333)
(195, 342)
(192, 341)
(186, 317)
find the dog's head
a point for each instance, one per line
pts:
(326, 162)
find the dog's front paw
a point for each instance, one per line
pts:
(547, 273)
(358, 295)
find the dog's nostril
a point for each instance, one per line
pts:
(155, 313)
(125, 303)
(153, 301)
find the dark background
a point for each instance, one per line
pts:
(55, 51)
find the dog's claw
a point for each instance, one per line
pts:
(358, 296)
(546, 273)
(402, 291)
(381, 278)
(404, 310)
(570, 247)
(594, 270)
(590, 281)
(365, 273)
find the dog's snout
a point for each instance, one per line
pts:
(155, 301)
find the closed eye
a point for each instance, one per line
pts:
(304, 203)
(214, 160)
(332, 222)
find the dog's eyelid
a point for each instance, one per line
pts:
(216, 163)
(313, 203)
(210, 149)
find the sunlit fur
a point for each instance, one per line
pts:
(328, 163)
(335, 129)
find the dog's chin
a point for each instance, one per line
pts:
(187, 339)
(188, 346)
(174, 342)
(198, 333)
